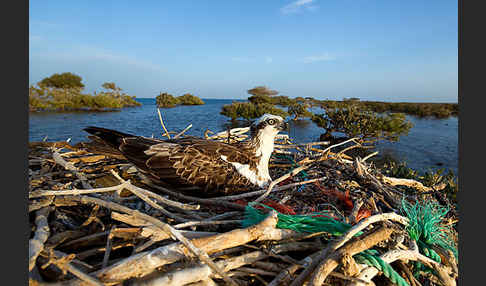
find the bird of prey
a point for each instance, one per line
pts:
(210, 165)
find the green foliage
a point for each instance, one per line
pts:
(282, 100)
(110, 85)
(430, 178)
(256, 99)
(248, 110)
(63, 80)
(275, 100)
(189, 99)
(42, 97)
(399, 170)
(363, 123)
(300, 100)
(262, 90)
(124, 99)
(166, 100)
(298, 110)
(437, 110)
(105, 100)
(129, 101)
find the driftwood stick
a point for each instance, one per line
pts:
(202, 272)
(365, 223)
(343, 152)
(36, 244)
(357, 246)
(144, 263)
(63, 262)
(146, 199)
(183, 131)
(369, 156)
(151, 231)
(279, 188)
(369, 272)
(346, 237)
(354, 139)
(165, 227)
(269, 266)
(162, 123)
(102, 249)
(234, 131)
(158, 197)
(87, 238)
(257, 271)
(225, 215)
(285, 276)
(201, 254)
(212, 202)
(108, 248)
(411, 183)
(43, 193)
(386, 191)
(56, 239)
(273, 183)
(205, 222)
(36, 205)
(70, 166)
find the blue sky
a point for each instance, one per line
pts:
(391, 50)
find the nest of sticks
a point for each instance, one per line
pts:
(95, 220)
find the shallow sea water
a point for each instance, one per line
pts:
(430, 144)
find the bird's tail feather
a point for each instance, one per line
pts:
(111, 137)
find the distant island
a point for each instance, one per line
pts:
(264, 100)
(370, 121)
(64, 92)
(166, 100)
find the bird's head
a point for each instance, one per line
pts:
(268, 125)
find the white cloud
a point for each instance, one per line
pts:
(298, 6)
(318, 58)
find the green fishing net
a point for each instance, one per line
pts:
(426, 224)
(315, 222)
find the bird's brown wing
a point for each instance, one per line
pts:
(190, 161)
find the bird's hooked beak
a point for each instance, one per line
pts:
(283, 126)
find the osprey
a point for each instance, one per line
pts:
(192, 161)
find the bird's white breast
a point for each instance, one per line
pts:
(245, 171)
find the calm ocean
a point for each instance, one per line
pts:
(430, 143)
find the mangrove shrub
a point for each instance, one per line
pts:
(44, 98)
(365, 124)
(189, 99)
(166, 100)
(262, 90)
(298, 110)
(63, 80)
(248, 110)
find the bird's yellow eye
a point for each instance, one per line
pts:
(271, 121)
